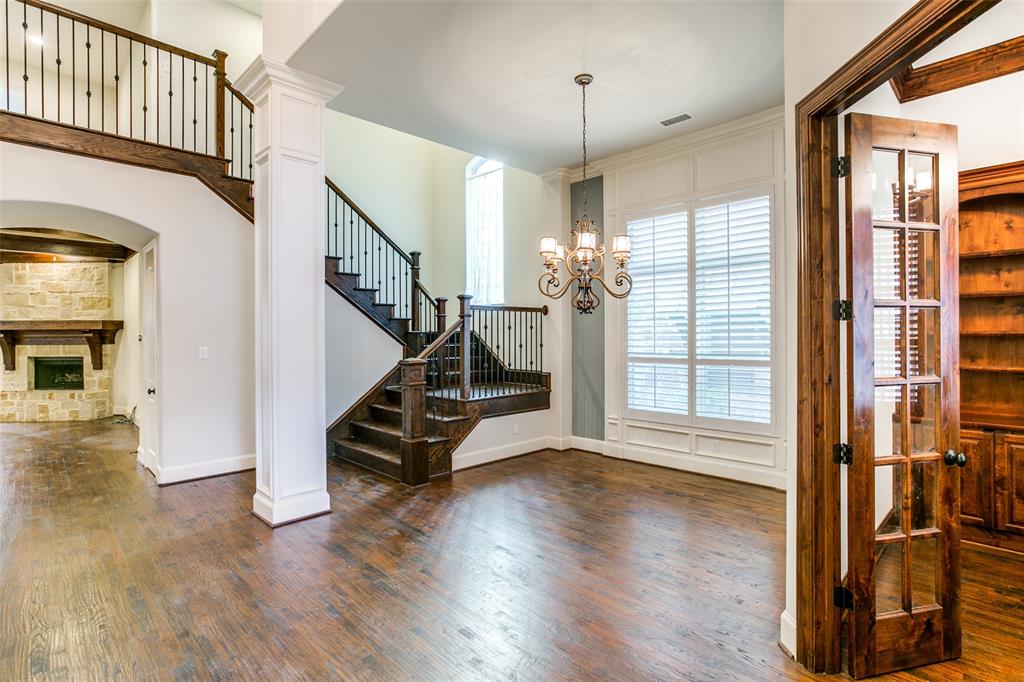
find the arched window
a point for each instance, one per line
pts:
(485, 253)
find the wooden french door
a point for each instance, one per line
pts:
(903, 481)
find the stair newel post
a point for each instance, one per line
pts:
(465, 336)
(415, 291)
(442, 303)
(220, 77)
(414, 449)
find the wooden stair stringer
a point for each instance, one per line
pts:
(365, 300)
(62, 137)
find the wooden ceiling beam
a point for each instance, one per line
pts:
(973, 67)
(21, 243)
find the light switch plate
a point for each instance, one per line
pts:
(204, 352)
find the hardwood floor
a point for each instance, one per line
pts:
(549, 566)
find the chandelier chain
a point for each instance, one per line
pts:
(584, 149)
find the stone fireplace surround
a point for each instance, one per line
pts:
(56, 291)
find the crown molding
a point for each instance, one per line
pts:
(265, 71)
(724, 132)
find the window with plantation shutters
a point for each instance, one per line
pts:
(699, 318)
(733, 310)
(657, 370)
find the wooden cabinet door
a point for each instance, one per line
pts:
(903, 349)
(976, 479)
(1010, 484)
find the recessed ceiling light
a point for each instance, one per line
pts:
(676, 119)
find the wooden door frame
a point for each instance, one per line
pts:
(913, 35)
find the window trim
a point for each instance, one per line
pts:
(691, 420)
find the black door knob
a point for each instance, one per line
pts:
(152, 391)
(961, 460)
(950, 458)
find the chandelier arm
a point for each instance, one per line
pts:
(621, 279)
(570, 260)
(554, 283)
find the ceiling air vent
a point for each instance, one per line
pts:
(676, 119)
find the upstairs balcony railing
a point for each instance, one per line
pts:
(67, 68)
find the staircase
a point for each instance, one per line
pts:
(486, 364)
(97, 90)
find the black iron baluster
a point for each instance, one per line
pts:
(206, 109)
(58, 67)
(251, 112)
(145, 94)
(42, 70)
(24, 57)
(7, 52)
(131, 88)
(170, 99)
(88, 77)
(231, 106)
(157, 97)
(181, 97)
(117, 86)
(103, 81)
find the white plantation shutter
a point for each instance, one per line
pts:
(732, 316)
(657, 339)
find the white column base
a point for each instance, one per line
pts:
(292, 508)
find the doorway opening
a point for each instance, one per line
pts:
(70, 314)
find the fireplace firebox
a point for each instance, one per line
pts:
(58, 374)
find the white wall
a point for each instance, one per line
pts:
(359, 354)
(203, 26)
(744, 154)
(124, 290)
(389, 175)
(205, 291)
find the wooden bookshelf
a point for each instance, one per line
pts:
(991, 242)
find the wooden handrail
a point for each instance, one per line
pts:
(440, 340)
(543, 310)
(369, 221)
(239, 96)
(123, 32)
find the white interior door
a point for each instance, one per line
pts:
(150, 427)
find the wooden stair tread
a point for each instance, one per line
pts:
(390, 429)
(397, 411)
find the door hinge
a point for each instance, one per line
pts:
(842, 453)
(842, 597)
(840, 166)
(842, 309)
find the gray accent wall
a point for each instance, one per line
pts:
(587, 330)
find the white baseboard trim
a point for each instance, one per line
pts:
(188, 472)
(770, 478)
(787, 634)
(464, 460)
(588, 444)
(292, 508)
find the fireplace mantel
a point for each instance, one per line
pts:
(92, 333)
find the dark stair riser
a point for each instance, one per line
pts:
(378, 433)
(357, 453)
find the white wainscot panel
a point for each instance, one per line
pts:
(656, 180)
(659, 437)
(302, 134)
(749, 159)
(736, 449)
(611, 430)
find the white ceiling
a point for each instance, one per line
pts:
(496, 78)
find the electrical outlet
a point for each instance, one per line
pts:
(204, 352)
(515, 428)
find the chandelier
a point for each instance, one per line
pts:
(585, 261)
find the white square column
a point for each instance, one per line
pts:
(288, 158)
